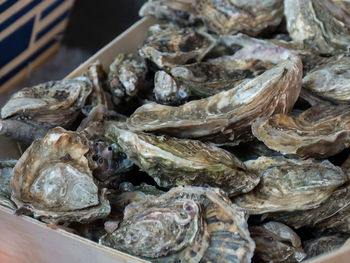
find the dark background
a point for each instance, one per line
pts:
(92, 25)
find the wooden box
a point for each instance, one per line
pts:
(26, 240)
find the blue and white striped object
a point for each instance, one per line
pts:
(28, 29)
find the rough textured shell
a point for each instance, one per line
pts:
(187, 224)
(319, 24)
(173, 162)
(318, 132)
(290, 185)
(337, 204)
(228, 114)
(330, 81)
(177, 11)
(126, 76)
(233, 16)
(168, 91)
(59, 187)
(170, 46)
(323, 245)
(6, 172)
(57, 103)
(276, 242)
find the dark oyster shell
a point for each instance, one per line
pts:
(187, 224)
(173, 162)
(126, 77)
(233, 16)
(59, 187)
(6, 172)
(171, 10)
(318, 132)
(289, 185)
(320, 24)
(276, 242)
(322, 245)
(169, 45)
(226, 116)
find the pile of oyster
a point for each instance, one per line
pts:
(225, 139)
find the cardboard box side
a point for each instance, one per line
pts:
(27, 240)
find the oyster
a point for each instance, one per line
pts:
(337, 205)
(47, 105)
(226, 116)
(187, 224)
(205, 79)
(173, 162)
(320, 24)
(6, 171)
(127, 76)
(323, 245)
(59, 187)
(98, 96)
(170, 46)
(318, 132)
(289, 185)
(233, 16)
(168, 91)
(330, 81)
(177, 11)
(276, 242)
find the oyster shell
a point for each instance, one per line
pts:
(177, 11)
(59, 187)
(320, 24)
(187, 224)
(205, 79)
(289, 185)
(173, 162)
(6, 172)
(226, 116)
(330, 81)
(318, 132)
(233, 16)
(169, 45)
(56, 103)
(98, 96)
(323, 245)
(334, 206)
(127, 76)
(168, 91)
(276, 242)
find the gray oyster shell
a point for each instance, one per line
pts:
(187, 224)
(6, 172)
(318, 132)
(177, 11)
(276, 242)
(323, 245)
(59, 187)
(173, 162)
(289, 184)
(319, 24)
(126, 77)
(330, 81)
(56, 103)
(226, 116)
(169, 45)
(233, 16)
(168, 91)
(336, 206)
